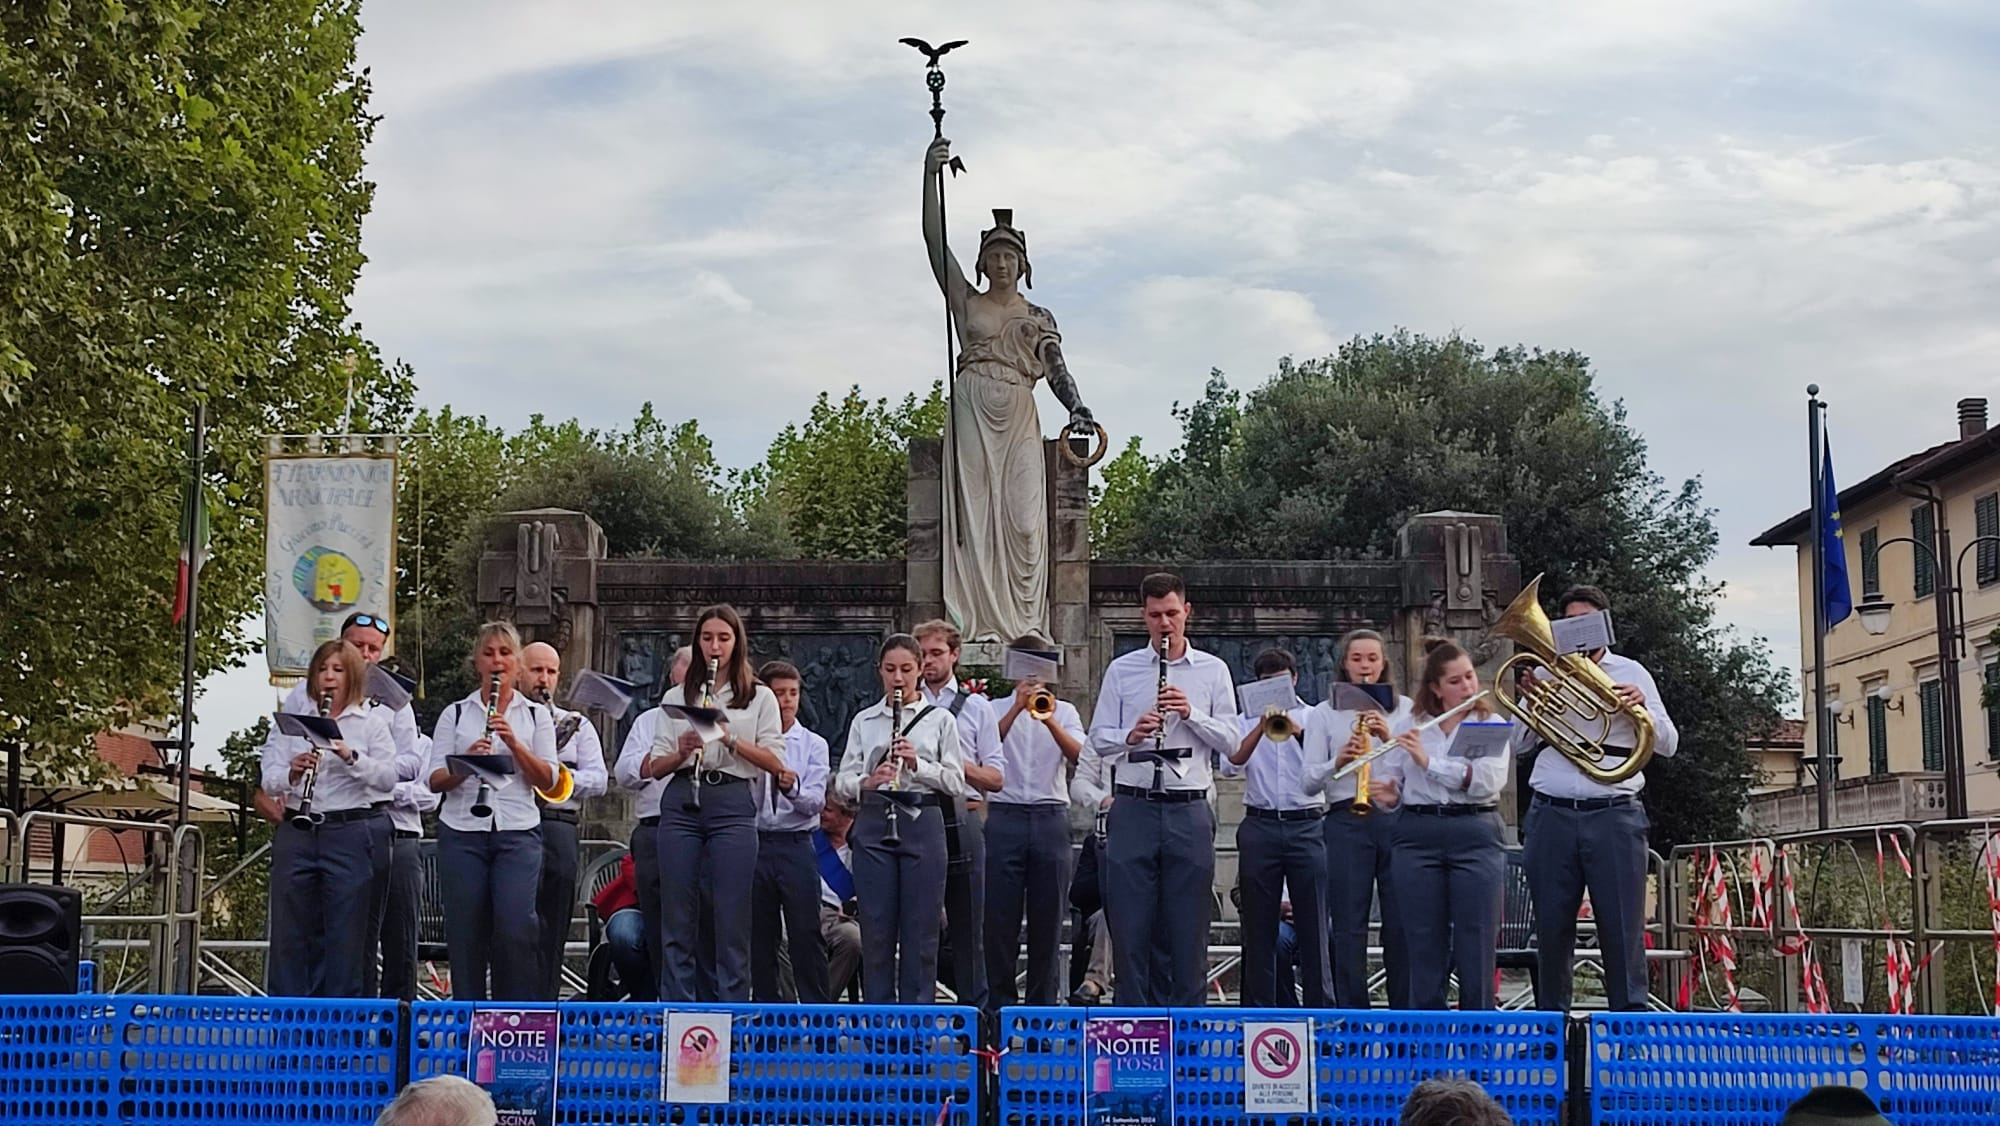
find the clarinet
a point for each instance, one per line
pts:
(482, 802)
(306, 818)
(1160, 734)
(892, 834)
(693, 804)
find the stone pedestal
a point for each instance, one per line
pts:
(539, 571)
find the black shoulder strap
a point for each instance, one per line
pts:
(919, 718)
(957, 703)
(456, 707)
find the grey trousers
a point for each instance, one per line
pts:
(842, 936)
(1159, 890)
(646, 873)
(555, 901)
(720, 843)
(901, 888)
(1027, 876)
(333, 876)
(1448, 871)
(965, 912)
(784, 912)
(1565, 851)
(1358, 852)
(1275, 857)
(489, 881)
(399, 921)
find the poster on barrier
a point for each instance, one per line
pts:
(1278, 1073)
(512, 1054)
(695, 1067)
(1128, 1071)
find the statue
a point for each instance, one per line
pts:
(996, 524)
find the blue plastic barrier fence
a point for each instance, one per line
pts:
(1364, 1063)
(1719, 1069)
(134, 1060)
(879, 1064)
(86, 976)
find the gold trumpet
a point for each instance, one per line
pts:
(1577, 692)
(1041, 705)
(1278, 725)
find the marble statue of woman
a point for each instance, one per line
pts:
(996, 521)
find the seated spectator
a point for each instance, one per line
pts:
(441, 1100)
(1834, 1106)
(839, 913)
(1452, 1102)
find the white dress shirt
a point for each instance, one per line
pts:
(1327, 731)
(1274, 774)
(756, 722)
(1449, 779)
(512, 798)
(1558, 777)
(1032, 766)
(340, 785)
(584, 755)
(405, 810)
(978, 728)
(934, 738)
(632, 758)
(806, 755)
(1130, 690)
(415, 797)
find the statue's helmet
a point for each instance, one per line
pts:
(1004, 233)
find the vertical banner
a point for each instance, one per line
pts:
(696, 1068)
(1128, 1071)
(329, 549)
(512, 1054)
(1279, 1078)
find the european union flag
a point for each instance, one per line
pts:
(1839, 597)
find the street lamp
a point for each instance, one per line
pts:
(1874, 613)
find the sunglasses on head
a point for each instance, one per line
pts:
(368, 620)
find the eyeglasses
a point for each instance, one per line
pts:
(368, 620)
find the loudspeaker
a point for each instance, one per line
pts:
(41, 931)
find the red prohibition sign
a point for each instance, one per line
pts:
(1275, 1053)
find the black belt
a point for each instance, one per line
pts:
(1263, 814)
(1585, 804)
(1026, 807)
(649, 822)
(341, 816)
(1449, 810)
(905, 798)
(566, 816)
(1168, 796)
(709, 777)
(785, 834)
(408, 835)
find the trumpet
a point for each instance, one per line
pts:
(892, 832)
(1361, 762)
(306, 818)
(564, 783)
(1278, 725)
(1041, 705)
(482, 802)
(1159, 785)
(693, 804)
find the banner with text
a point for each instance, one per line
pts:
(329, 550)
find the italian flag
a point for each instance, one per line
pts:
(194, 548)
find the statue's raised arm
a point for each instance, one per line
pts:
(944, 267)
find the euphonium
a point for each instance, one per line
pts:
(1041, 705)
(1577, 692)
(564, 783)
(1278, 725)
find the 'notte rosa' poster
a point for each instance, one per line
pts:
(1129, 1071)
(512, 1054)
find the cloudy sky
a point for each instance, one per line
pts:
(585, 206)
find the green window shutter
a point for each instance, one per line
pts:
(1871, 567)
(1931, 693)
(1923, 529)
(1878, 736)
(1986, 524)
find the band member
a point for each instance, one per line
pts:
(490, 829)
(839, 907)
(965, 829)
(1581, 833)
(785, 899)
(577, 747)
(1448, 858)
(333, 870)
(1027, 853)
(1280, 845)
(708, 813)
(900, 766)
(645, 836)
(1155, 725)
(1359, 838)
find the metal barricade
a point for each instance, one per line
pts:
(1857, 887)
(1745, 867)
(1958, 868)
(173, 928)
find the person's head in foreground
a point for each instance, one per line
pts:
(441, 1100)
(1452, 1102)
(1834, 1106)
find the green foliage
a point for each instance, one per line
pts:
(1115, 496)
(1330, 457)
(839, 483)
(181, 196)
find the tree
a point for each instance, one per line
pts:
(840, 482)
(181, 197)
(1331, 456)
(1123, 484)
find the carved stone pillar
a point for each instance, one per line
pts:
(924, 584)
(539, 571)
(1069, 573)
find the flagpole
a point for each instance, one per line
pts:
(1822, 722)
(197, 450)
